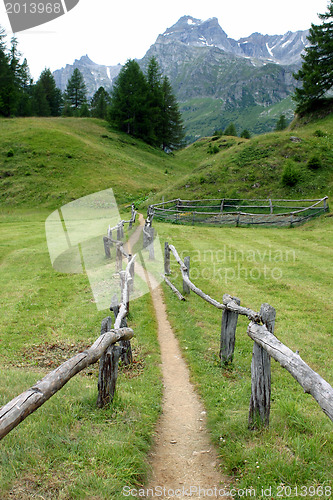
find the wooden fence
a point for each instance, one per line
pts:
(266, 345)
(238, 212)
(104, 349)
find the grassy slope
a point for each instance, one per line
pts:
(292, 271)
(58, 160)
(253, 168)
(58, 452)
(68, 449)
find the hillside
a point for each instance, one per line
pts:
(233, 167)
(46, 162)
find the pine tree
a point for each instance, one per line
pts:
(76, 91)
(172, 129)
(129, 110)
(15, 80)
(41, 106)
(316, 73)
(231, 130)
(100, 103)
(281, 123)
(245, 134)
(155, 102)
(5, 75)
(52, 94)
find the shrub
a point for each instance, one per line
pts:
(213, 149)
(10, 153)
(290, 174)
(314, 163)
(319, 133)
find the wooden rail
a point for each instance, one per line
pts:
(266, 345)
(238, 212)
(103, 349)
(26, 403)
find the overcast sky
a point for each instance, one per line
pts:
(111, 32)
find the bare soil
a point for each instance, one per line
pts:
(183, 458)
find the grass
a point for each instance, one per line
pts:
(291, 270)
(47, 162)
(68, 449)
(254, 168)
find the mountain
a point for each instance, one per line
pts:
(216, 79)
(281, 49)
(95, 75)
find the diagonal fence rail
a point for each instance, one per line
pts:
(266, 345)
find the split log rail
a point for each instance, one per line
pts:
(103, 349)
(266, 345)
(238, 212)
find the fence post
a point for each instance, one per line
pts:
(260, 402)
(270, 206)
(131, 270)
(108, 369)
(150, 242)
(119, 258)
(228, 332)
(126, 352)
(106, 247)
(167, 259)
(186, 288)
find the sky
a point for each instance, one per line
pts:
(110, 32)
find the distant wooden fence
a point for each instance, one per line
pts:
(266, 345)
(238, 212)
(103, 349)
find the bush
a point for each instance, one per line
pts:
(290, 174)
(213, 149)
(319, 133)
(10, 153)
(314, 163)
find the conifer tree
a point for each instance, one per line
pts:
(231, 130)
(52, 94)
(281, 123)
(129, 110)
(100, 103)
(172, 125)
(316, 73)
(155, 101)
(76, 91)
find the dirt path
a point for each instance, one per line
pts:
(183, 457)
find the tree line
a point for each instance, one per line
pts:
(142, 105)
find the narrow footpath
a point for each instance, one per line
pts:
(183, 458)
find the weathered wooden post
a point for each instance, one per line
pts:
(270, 206)
(186, 288)
(131, 271)
(228, 331)
(106, 247)
(119, 258)
(260, 403)
(108, 369)
(110, 237)
(167, 259)
(291, 219)
(151, 232)
(126, 353)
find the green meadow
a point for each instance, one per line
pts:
(68, 448)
